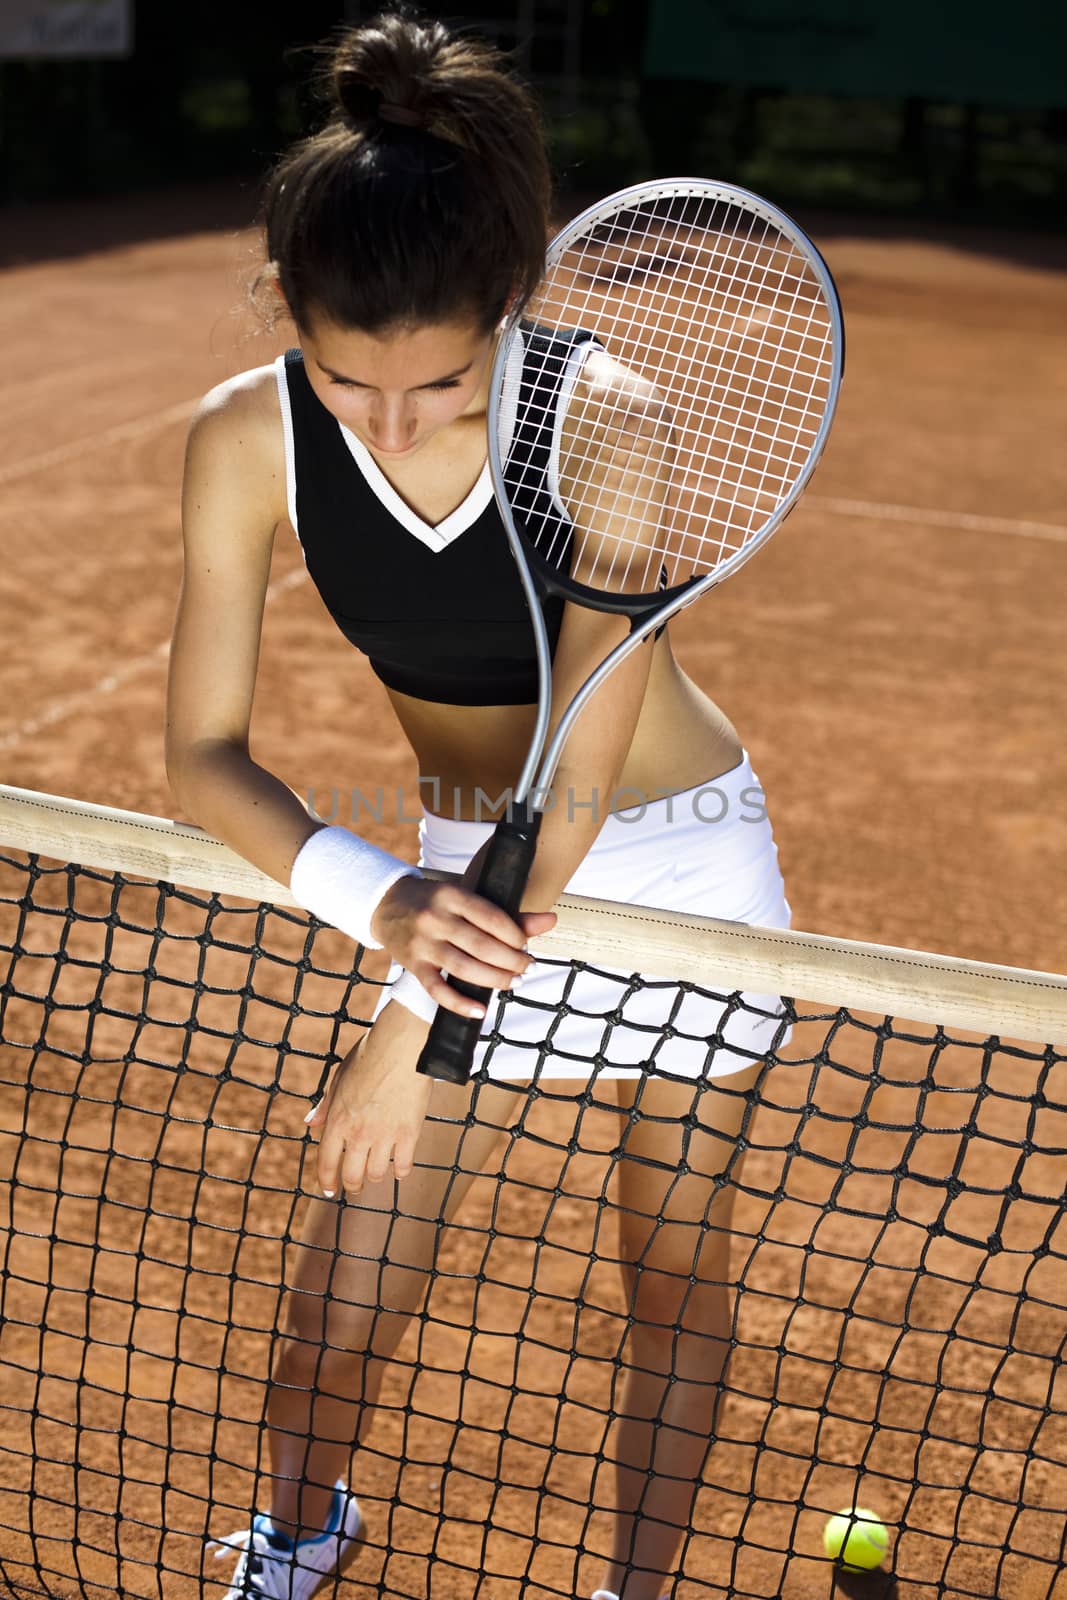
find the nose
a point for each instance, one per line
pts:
(391, 423)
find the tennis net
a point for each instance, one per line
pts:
(897, 1304)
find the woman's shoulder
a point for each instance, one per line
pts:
(247, 400)
(237, 444)
(598, 378)
(612, 395)
(243, 412)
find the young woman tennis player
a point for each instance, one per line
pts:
(399, 236)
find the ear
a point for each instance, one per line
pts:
(270, 282)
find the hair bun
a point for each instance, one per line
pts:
(372, 224)
(384, 70)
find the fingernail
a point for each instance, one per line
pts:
(328, 1193)
(310, 1114)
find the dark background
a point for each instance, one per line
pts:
(950, 112)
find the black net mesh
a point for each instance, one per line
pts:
(858, 1300)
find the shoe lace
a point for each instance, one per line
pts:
(255, 1575)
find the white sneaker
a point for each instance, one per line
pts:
(271, 1567)
(606, 1594)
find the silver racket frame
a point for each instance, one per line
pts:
(676, 188)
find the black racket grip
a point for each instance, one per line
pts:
(449, 1050)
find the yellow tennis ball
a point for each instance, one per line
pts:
(856, 1538)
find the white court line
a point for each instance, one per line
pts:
(119, 434)
(924, 516)
(85, 699)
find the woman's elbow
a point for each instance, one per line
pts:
(188, 763)
(177, 768)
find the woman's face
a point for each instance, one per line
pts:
(396, 392)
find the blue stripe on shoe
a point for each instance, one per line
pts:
(284, 1544)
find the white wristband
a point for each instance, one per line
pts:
(408, 992)
(341, 878)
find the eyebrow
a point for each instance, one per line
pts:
(339, 377)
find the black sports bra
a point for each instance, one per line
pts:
(440, 612)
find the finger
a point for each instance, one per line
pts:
(473, 908)
(318, 1113)
(331, 1150)
(379, 1161)
(535, 922)
(404, 1154)
(459, 963)
(443, 994)
(354, 1169)
(474, 944)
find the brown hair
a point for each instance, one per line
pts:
(425, 196)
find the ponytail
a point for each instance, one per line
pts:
(425, 196)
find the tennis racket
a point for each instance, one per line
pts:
(682, 357)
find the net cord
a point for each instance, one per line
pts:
(921, 986)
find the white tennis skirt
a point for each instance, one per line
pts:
(708, 850)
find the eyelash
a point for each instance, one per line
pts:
(450, 383)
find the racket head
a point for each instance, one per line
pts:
(701, 343)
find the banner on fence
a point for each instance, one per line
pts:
(73, 28)
(958, 51)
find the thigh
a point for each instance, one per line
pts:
(677, 1169)
(374, 1252)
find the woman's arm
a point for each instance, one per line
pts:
(594, 755)
(233, 498)
(372, 1114)
(616, 457)
(232, 501)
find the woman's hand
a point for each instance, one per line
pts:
(433, 927)
(372, 1113)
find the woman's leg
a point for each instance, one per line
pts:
(675, 1203)
(359, 1273)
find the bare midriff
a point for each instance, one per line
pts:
(470, 756)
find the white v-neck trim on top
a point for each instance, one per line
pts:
(435, 536)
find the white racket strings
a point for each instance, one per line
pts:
(691, 416)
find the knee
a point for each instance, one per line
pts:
(336, 1337)
(666, 1301)
(316, 1333)
(315, 1369)
(657, 1302)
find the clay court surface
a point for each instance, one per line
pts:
(894, 661)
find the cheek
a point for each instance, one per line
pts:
(346, 405)
(443, 407)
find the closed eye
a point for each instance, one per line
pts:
(347, 383)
